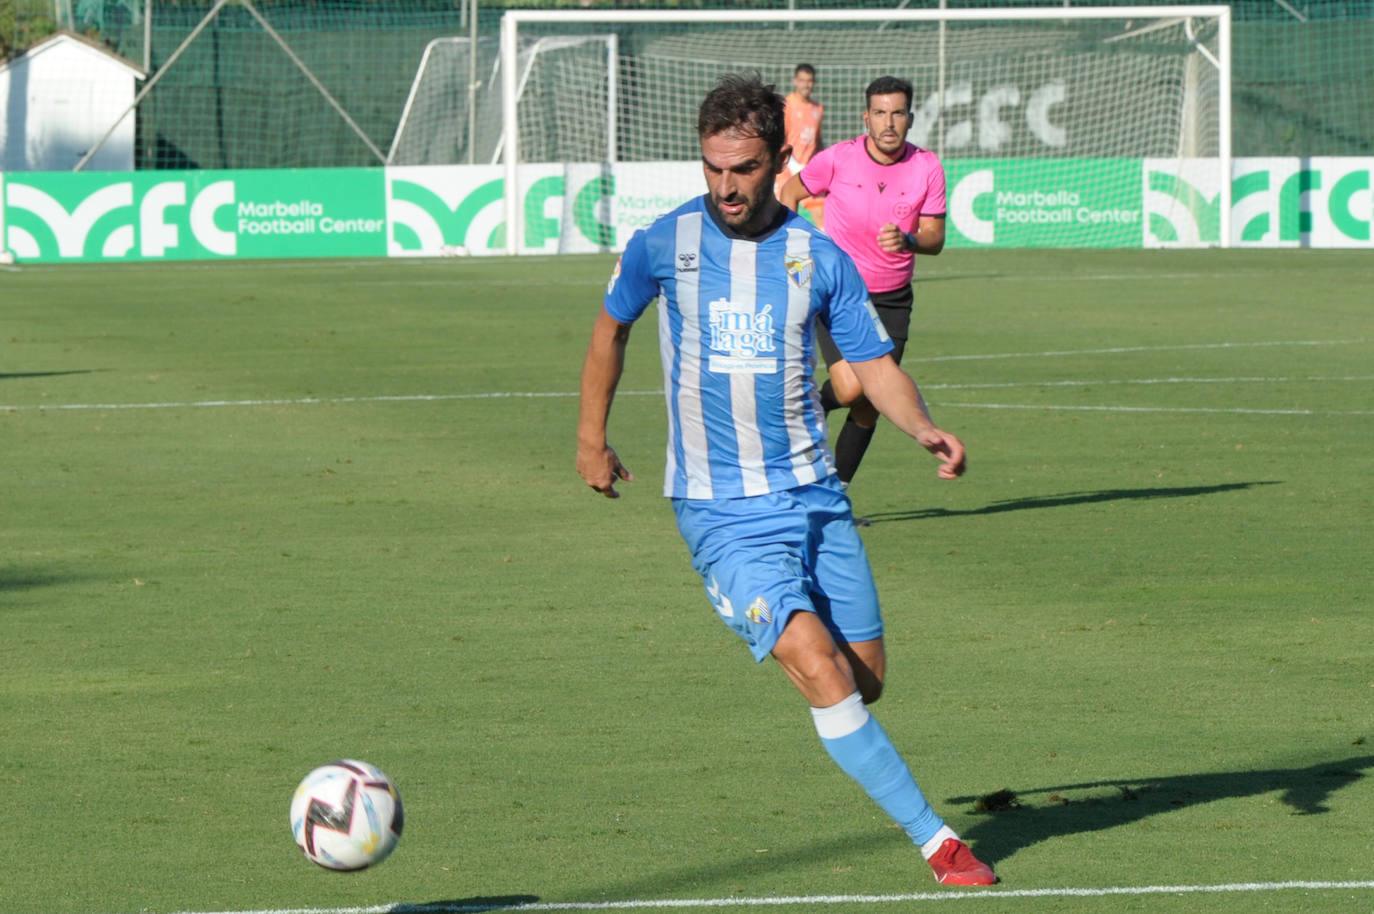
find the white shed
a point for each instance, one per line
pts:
(58, 98)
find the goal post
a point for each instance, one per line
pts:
(1071, 87)
(452, 117)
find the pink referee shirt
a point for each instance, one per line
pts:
(863, 195)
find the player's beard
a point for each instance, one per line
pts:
(756, 210)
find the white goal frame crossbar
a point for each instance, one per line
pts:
(513, 19)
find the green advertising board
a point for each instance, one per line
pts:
(435, 211)
(1044, 203)
(194, 215)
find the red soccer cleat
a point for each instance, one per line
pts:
(954, 864)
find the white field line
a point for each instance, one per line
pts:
(483, 280)
(804, 901)
(1102, 277)
(516, 395)
(1230, 411)
(1116, 350)
(502, 395)
(1105, 383)
(314, 401)
(543, 395)
(343, 270)
(432, 398)
(335, 267)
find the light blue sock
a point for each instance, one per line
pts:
(862, 749)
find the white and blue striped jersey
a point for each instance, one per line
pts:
(736, 324)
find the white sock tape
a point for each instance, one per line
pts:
(842, 719)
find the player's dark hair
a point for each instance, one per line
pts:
(804, 68)
(741, 102)
(887, 85)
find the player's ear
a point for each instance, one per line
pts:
(784, 156)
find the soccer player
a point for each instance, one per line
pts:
(802, 119)
(739, 283)
(884, 204)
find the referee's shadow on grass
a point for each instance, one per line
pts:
(1011, 819)
(1065, 499)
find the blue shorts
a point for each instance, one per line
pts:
(765, 557)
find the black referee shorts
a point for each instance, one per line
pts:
(894, 310)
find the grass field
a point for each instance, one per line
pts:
(260, 516)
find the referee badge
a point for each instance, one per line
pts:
(799, 270)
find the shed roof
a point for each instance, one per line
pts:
(64, 37)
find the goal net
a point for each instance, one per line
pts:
(1063, 90)
(453, 112)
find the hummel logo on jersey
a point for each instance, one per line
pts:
(719, 600)
(686, 261)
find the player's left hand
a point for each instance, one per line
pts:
(601, 469)
(948, 448)
(891, 239)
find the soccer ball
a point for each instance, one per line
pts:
(346, 815)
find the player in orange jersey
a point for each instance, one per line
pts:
(803, 125)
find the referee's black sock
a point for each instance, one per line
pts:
(850, 447)
(828, 401)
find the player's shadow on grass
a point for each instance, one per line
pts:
(5, 376)
(684, 880)
(467, 905)
(1012, 819)
(954, 277)
(1063, 500)
(15, 579)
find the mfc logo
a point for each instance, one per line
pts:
(991, 125)
(112, 221)
(433, 208)
(1275, 202)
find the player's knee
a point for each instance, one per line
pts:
(820, 671)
